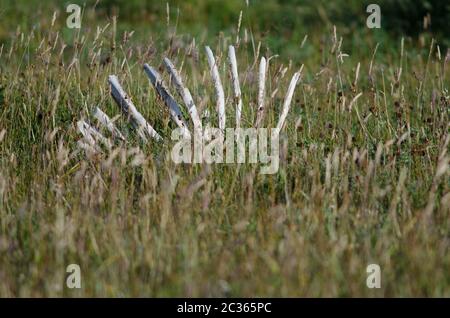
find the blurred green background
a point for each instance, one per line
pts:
(281, 24)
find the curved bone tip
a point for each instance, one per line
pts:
(147, 67)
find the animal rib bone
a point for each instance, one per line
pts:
(168, 99)
(288, 99)
(261, 92)
(108, 123)
(184, 93)
(220, 96)
(128, 108)
(236, 86)
(91, 135)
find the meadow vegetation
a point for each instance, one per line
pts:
(364, 157)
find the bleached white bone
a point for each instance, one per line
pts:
(236, 85)
(167, 98)
(104, 120)
(88, 147)
(288, 100)
(91, 135)
(220, 96)
(206, 120)
(128, 108)
(261, 91)
(87, 136)
(184, 93)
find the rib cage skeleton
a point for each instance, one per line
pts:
(93, 137)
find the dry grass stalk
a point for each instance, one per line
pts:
(104, 120)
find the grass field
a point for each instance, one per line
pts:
(363, 175)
